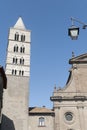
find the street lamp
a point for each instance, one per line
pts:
(73, 31)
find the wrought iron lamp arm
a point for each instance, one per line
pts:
(74, 19)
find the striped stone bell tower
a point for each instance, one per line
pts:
(15, 105)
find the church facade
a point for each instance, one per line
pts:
(69, 110)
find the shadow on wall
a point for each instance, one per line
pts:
(7, 124)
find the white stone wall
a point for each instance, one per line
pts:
(11, 54)
(12, 31)
(79, 112)
(34, 122)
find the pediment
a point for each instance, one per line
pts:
(79, 59)
(77, 81)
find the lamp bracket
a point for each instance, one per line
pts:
(74, 19)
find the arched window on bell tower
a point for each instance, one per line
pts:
(15, 60)
(16, 48)
(22, 38)
(22, 49)
(14, 72)
(22, 61)
(16, 37)
(21, 72)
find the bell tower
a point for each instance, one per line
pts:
(15, 105)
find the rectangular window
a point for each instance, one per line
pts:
(41, 121)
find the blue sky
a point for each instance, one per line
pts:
(51, 48)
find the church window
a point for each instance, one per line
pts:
(22, 38)
(68, 116)
(21, 73)
(14, 72)
(22, 61)
(16, 37)
(22, 49)
(41, 121)
(15, 48)
(15, 60)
